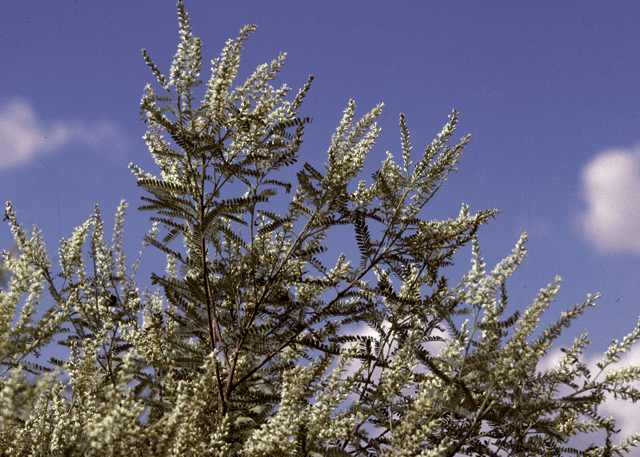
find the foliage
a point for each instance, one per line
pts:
(4, 271)
(232, 353)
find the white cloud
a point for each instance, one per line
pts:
(611, 189)
(24, 137)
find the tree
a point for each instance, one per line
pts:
(231, 354)
(4, 271)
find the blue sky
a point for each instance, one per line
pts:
(550, 92)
